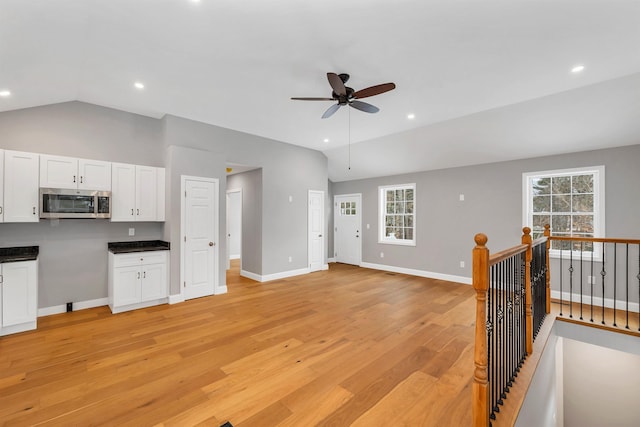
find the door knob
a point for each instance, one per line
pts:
(319, 235)
(211, 243)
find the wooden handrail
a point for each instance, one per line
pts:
(507, 253)
(596, 239)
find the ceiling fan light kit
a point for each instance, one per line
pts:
(345, 95)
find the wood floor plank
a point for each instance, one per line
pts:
(347, 345)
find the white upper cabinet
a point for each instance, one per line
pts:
(72, 173)
(1, 185)
(21, 191)
(137, 193)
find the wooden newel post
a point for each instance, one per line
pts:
(480, 389)
(547, 233)
(528, 302)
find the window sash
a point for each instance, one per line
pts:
(567, 214)
(397, 214)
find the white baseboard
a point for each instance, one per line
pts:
(220, 290)
(597, 301)
(274, 276)
(419, 273)
(234, 256)
(80, 305)
(330, 260)
(325, 267)
(175, 299)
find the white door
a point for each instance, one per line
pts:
(146, 203)
(94, 175)
(21, 191)
(316, 230)
(1, 185)
(234, 225)
(200, 229)
(19, 292)
(58, 172)
(347, 228)
(123, 195)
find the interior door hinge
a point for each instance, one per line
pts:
(185, 285)
(185, 238)
(185, 194)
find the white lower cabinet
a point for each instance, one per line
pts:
(137, 280)
(19, 296)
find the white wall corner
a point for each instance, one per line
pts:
(175, 299)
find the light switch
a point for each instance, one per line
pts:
(132, 232)
(368, 226)
(462, 197)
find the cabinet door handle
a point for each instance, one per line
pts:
(34, 210)
(138, 211)
(144, 274)
(131, 211)
(81, 179)
(0, 210)
(1, 279)
(74, 178)
(138, 274)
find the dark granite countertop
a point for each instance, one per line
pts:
(138, 246)
(20, 253)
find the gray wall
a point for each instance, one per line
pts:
(251, 185)
(287, 170)
(73, 253)
(493, 205)
(73, 257)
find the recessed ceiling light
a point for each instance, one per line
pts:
(4, 93)
(577, 69)
(326, 140)
(411, 116)
(139, 85)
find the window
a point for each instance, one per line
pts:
(570, 201)
(397, 214)
(347, 208)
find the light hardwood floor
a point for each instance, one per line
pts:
(348, 346)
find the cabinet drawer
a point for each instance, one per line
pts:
(139, 258)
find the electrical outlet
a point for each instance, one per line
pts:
(381, 254)
(461, 264)
(290, 259)
(368, 226)
(462, 197)
(132, 232)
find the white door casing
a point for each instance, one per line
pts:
(316, 230)
(199, 237)
(348, 228)
(234, 226)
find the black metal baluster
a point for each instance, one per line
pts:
(561, 274)
(490, 347)
(603, 273)
(571, 282)
(627, 287)
(592, 279)
(615, 280)
(581, 276)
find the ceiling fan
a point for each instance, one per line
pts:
(347, 96)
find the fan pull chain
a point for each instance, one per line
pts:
(349, 131)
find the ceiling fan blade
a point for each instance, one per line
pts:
(374, 90)
(330, 111)
(363, 106)
(336, 84)
(313, 99)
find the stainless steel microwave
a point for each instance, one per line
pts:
(65, 203)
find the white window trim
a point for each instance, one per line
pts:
(598, 201)
(382, 210)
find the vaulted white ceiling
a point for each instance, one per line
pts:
(487, 80)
